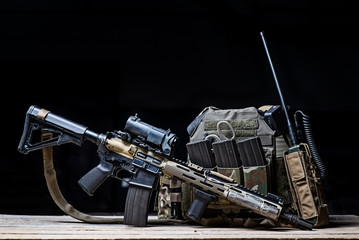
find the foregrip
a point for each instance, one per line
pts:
(199, 204)
(94, 178)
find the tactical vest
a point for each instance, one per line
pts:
(232, 127)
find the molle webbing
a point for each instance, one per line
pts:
(55, 192)
(243, 128)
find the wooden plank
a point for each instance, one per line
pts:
(64, 227)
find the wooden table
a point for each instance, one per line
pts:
(65, 227)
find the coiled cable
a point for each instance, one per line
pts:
(311, 143)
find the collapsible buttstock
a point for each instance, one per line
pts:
(25, 135)
(64, 131)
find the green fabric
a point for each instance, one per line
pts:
(281, 186)
(235, 173)
(239, 134)
(236, 124)
(257, 178)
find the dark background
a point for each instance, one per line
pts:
(98, 62)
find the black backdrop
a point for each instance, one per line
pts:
(98, 62)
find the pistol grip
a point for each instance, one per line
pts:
(94, 178)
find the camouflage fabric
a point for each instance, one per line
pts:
(186, 198)
(280, 179)
(163, 200)
(281, 186)
(257, 178)
(235, 173)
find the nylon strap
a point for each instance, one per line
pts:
(55, 192)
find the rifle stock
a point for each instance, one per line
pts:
(64, 131)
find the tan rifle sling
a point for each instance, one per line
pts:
(55, 192)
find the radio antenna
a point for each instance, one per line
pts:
(292, 136)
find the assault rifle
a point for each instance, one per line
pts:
(147, 153)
